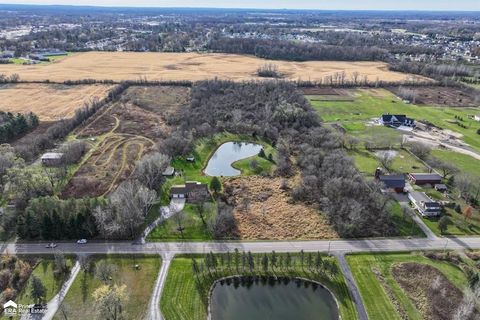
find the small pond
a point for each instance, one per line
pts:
(279, 300)
(220, 164)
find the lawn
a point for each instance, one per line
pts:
(374, 295)
(183, 299)
(465, 163)
(366, 161)
(194, 230)
(44, 271)
(404, 224)
(79, 301)
(370, 104)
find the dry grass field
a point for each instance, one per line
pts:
(49, 101)
(188, 66)
(121, 134)
(264, 211)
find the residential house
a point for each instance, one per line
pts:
(394, 182)
(396, 120)
(52, 158)
(425, 206)
(192, 191)
(421, 179)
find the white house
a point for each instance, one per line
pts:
(425, 206)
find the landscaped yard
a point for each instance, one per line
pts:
(194, 228)
(378, 287)
(79, 302)
(465, 163)
(183, 299)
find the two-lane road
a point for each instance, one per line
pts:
(172, 248)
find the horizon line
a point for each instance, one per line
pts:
(237, 8)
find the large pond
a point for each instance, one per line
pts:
(220, 164)
(279, 300)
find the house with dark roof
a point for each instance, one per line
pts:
(191, 191)
(394, 182)
(421, 179)
(425, 206)
(396, 120)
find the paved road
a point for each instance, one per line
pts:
(172, 248)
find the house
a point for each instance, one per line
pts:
(395, 182)
(396, 120)
(421, 179)
(425, 206)
(168, 172)
(52, 158)
(192, 191)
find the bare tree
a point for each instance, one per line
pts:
(386, 159)
(446, 168)
(179, 219)
(149, 170)
(419, 149)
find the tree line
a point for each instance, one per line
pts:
(14, 125)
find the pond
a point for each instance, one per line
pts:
(273, 299)
(220, 164)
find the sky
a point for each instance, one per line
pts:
(429, 5)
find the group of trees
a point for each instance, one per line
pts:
(296, 51)
(12, 126)
(14, 274)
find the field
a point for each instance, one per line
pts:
(120, 135)
(381, 293)
(182, 298)
(188, 66)
(445, 96)
(79, 302)
(264, 211)
(49, 101)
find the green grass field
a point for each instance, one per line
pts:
(377, 302)
(367, 105)
(79, 301)
(465, 163)
(182, 300)
(194, 230)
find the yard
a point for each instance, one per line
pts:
(465, 163)
(183, 299)
(381, 293)
(79, 303)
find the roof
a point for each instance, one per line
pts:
(188, 187)
(169, 171)
(440, 186)
(425, 176)
(52, 156)
(422, 197)
(393, 180)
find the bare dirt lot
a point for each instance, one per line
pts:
(49, 101)
(443, 96)
(121, 134)
(430, 291)
(264, 211)
(188, 66)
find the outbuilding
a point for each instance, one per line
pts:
(421, 179)
(52, 158)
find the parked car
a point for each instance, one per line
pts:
(82, 241)
(51, 245)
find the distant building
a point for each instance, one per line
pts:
(421, 179)
(52, 159)
(396, 120)
(395, 182)
(476, 117)
(425, 206)
(440, 187)
(191, 191)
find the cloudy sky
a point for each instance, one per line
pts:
(463, 5)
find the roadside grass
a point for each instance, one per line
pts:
(44, 272)
(183, 299)
(465, 163)
(367, 105)
(79, 301)
(194, 230)
(377, 302)
(405, 225)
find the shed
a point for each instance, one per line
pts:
(440, 187)
(425, 178)
(169, 171)
(52, 158)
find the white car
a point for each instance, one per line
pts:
(82, 241)
(51, 245)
